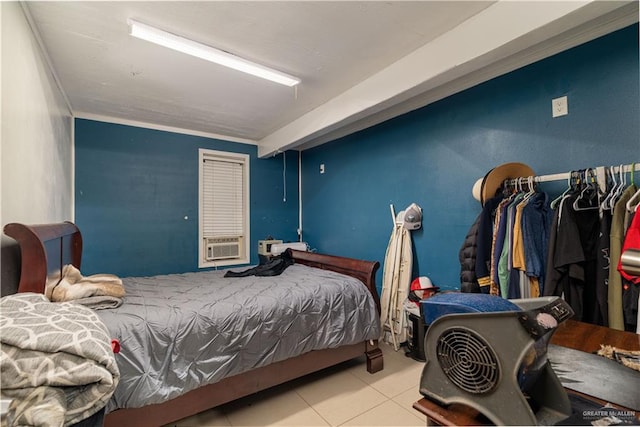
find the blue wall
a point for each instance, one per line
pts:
(433, 156)
(134, 187)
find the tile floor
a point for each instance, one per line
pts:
(344, 395)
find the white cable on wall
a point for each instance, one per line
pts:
(300, 196)
(284, 176)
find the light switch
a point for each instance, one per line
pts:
(559, 107)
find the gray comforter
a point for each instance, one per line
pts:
(179, 332)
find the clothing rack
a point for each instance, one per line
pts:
(600, 174)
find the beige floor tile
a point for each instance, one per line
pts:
(276, 407)
(388, 413)
(210, 418)
(343, 393)
(340, 396)
(400, 373)
(407, 399)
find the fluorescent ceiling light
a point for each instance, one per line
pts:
(190, 47)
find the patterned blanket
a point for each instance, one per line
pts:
(56, 361)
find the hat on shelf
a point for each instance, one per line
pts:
(485, 188)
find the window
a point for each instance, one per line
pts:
(224, 208)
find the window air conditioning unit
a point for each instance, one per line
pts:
(222, 248)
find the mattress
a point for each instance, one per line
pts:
(182, 331)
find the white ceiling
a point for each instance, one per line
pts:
(360, 62)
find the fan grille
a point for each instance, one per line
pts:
(468, 361)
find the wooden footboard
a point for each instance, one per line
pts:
(46, 248)
(235, 387)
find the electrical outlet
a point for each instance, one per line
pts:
(322, 168)
(559, 107)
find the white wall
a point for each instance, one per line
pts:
(36, 146)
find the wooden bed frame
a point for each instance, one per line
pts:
(46, 248)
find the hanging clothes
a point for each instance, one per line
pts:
(517, 249)
(614, 294)
(498, 282)
(537, 217)
(528, 284)
(506, 258)
(630, 283)
(525, 248)
(601, 315)
(467, 258)
(485, 241)
(512, 255)
(631, 241)
(552, 277)
(572, 268)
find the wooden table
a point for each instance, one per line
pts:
(586, 337)
(572, 334)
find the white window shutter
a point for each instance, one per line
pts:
(223, 204)
(223, 208)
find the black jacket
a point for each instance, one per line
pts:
(467, 257)
(273, 267)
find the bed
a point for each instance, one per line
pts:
(46, 248)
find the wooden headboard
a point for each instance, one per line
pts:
(365, 271)
(45, 249)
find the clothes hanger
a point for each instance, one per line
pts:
(611, 189)
(517, 200)
(531, 190)
(590, 186)
(632, 206)
(613, 194)
(582, 182)
(525, 187)
(530, 186)
(621, 186)
(573, 187)
(519, 184)
(555, 201)
(511, 190)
